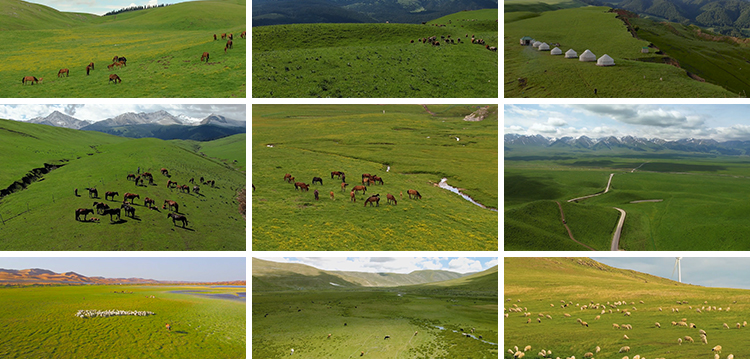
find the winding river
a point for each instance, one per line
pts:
(444, 184)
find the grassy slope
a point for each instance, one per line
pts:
(163, 47)
(535, 283)
(21, 15)
(40, 322)
(581, 29)
(214, 222)
(315, 140)
(341, 60)
(228, 149)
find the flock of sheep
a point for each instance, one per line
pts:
(626, 310)
(111, 313)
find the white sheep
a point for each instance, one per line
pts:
(625, 337)
(527, 348)
(658, 325)
(624, 349)
(716, 349)
(726, 326)
(598, 349)
(689, 339)
(679, 341)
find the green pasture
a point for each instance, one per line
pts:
(421, 149)
(42, 216)
(704, 198)
(302, 320)
(376, 60)
(532, 73)
(40, 322)
(163, 47)
(539, 286)
(228, 149)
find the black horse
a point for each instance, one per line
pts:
(178, 217)
(93, 193)
(317, 179)
(84, 212)
(129, 210)
(111, 212)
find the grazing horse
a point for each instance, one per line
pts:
(131, 176)
(368, 180)
(243, 34)
(303, 186)
(128, 210)
(204, 56)
(316, 194)
(223, 36)
(214, 37)
(202, 178)
(373, 198)
(343, 186)
(366, 175)
(331, 194)
(286, 177)
(100, 207)
(164, 172)
(229, 44)
(231, 37)
(196, 189)
(147, 174)
(31, 79)
(130, 196)
(84, 212)
(192, 180)
(391, 198)
(317, 179)
(376, 179)
(115, 78)
(91, 65)
(337, 174)
(184, 188)
(111, 212)
(415, 193)
(65, 72)
(352, 198)
(170, 183)
(172, 204)
(359, 188)
(88, 69)
(178, 217)
(138, 179)
(148, 202)
(93, 193)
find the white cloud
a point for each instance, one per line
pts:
(387, 264)
(556, 121)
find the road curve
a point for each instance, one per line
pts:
(570, 234)
(595, 194)
(616, 237)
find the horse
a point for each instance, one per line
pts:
(31, 79)
(414, 193)
(131, 176)
(391, 198)
(128, 210)
(337, 174)
(111, 212)
(88, 69)
(114, 59)
(196, 189)
(130, 196)
(214, 37)
(359, 188)
(243, 34)
(115, 78)
(192, 180)
(137, 179)
(66, 72)
(83, 211)
(367, 181)
(172, 204)
(316, 194)
(317, 179)
(202, 178)
(303, 186)
(376, 179)
(352, 198)
(231, 37)
(178, 217)
(229, 44)
(93, 193)
(122, 60)
(100, 207)
(331, 194)
(91, 64)
(204, 56)
(148, 202)
(373, 198)
(212, 182)
(366, 175)
(164, 172)
(343, 186)
(223, 36)
(184, 188)
(170, 183)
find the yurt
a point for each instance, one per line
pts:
(571, 54)
(605, 60)
(535, 43)
(526, 40)
(543, 47)
(644, 50)
(556, 51)
(587, 56)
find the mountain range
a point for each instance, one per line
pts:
(627, 143)
(44, 276)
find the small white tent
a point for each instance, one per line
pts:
(544, 47)
(605, 60)
(536, 43)
(571, 54)
(587, 56)
(556, 51)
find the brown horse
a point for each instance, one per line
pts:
(147, 174)
(214, 37)
(391, 198)
(31, 79)
(373, 198)
(178, 217)
(231, 37)
(286, 177)
(164, 172)
(414, 193)
(359, 188)
(148, 202)
(93, 193)
(172, 204)
(130, 196)
(88, 69)
(115, 78)
(65, 72)
(83, 211)
(343, 186)
(332, 196)
(243, 34)
(366, 175)
(111, 194)
(303, 186)
(170, 183)
(184, 188)
(114, 59)
(91, 64)
(230, 44)
(131, 176)
(129, 210)
(352, 198)
(376, 179)
(111, 212)
(204, 56)
(223, 36)
(337, 174)
(110, 66)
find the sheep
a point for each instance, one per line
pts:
(519, 355)
(599, 316)
(615, 326)
(702, 332)
(658, 325)
(692, 325)
(716, 349)
(726, 326)
(624, 349)
(679, 341)
(549, 316)
(585, 324)
(660, 309)
(527, 348)
(588, 355)
(538, 320)
(744, 324)
(625, 337)
(689, 339)
(528, 321)
(598, 349)
(739, 325)
(717, 356)
(730, 356)
(637, 356)
(566, 315)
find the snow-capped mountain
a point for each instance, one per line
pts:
(612, 143)
(59, 119)
(222, 121)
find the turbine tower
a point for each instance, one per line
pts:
(679, 269)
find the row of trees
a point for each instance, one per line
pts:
(135, 8)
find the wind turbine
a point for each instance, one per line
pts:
(679, 269)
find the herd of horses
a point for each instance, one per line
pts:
(367, 180)
(121, 61)
(102, 208)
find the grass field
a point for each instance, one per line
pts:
(163, 47)
(42, 216)
(377, 60)
(540, 286)
(703, 198)
(40, 322)
(532, 73)
(313, 141)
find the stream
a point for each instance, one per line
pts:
(468, 335)
(444, 184)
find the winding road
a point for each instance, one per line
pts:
(616, 237)
(570, 234)
(615, 246)
(595, 194)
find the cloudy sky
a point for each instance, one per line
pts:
(707, 272)
(176, 268)
(98, 112)
(393, 265)
(669, 122)
(98, 7)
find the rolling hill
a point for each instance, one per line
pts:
(35, 276)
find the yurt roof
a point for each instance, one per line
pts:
(556, 51)
(543, 47)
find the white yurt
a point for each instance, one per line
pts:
(605, 60)
(536, 43)
(587, 56)
(556, 51)
(571, 54)
(543, 47)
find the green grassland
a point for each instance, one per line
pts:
(704, 198)
(42, 216)
(532, 73)
(163, 47)
(40, 322)
(376, 60)
(540, 285)
(313, 141)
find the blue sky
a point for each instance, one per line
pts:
(670, 122)
(393, 265)
(98, 7)
(98, 112)
(707, 272)
(179, 268)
